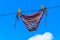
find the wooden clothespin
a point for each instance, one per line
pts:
(43, 8)
(19, 11)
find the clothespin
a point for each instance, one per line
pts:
(19, 11)
(43, 8)
(18, 14)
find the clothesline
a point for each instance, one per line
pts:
(30, 11)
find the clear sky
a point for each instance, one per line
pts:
(7, 31)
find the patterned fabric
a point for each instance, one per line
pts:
(32, 21)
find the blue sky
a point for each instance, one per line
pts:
(7, 31)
